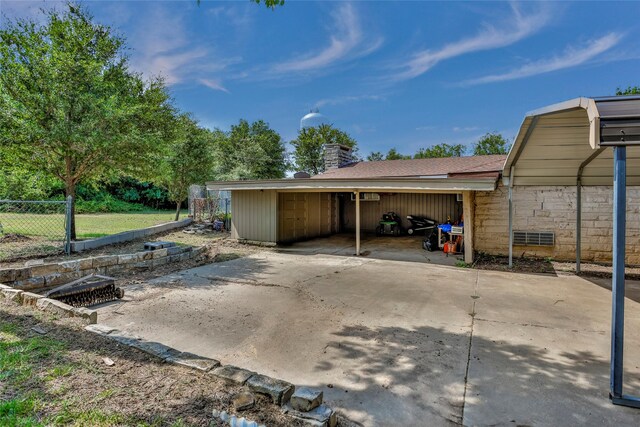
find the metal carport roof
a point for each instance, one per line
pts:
(554, 142)
(566, 144)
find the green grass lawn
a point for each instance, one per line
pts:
(87, 225)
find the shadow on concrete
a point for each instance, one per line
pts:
(632, 287)
(400, 248)
(508, 384)
(238, 270)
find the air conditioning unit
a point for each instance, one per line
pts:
(366, 197)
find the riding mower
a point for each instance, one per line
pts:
(389, 225)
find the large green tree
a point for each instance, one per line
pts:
(308, 154)
(440, 150)
(70, 106)
(250, 151)
(491, 143)
(187, 160)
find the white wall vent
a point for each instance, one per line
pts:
(534, 238)
(459, 197)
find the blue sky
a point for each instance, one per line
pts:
(392, 74)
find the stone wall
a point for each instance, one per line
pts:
(336, 156)
(553, 208)
(46, 276)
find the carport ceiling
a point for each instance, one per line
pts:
(554, 142)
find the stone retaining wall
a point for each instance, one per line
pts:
(127, 236)
(553, 208)
(46, 276)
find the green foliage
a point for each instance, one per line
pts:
(106, 203)
(69, 105)
(187, 161)
(491, 143)
(631, 90)
(249, 151)
(393, 154)
(375, 156)
(308, 152)
(440, 150)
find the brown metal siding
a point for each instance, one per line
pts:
(254, 215)
(434, 206)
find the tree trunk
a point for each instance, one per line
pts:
(70, 190)
(178, 210)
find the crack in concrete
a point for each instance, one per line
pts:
(475, 296)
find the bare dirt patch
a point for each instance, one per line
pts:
(73, 385)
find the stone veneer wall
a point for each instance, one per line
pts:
(45, 276)
(553, 208)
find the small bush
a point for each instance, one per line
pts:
(106, 203)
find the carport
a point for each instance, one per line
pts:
(585, 142)
(288, 210)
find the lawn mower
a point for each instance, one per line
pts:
(389, 225)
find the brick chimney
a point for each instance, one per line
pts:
(336, 156)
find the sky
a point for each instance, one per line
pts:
(403, 74)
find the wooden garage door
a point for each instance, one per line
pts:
(292, 224)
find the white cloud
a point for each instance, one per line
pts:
(213, 84)
(465, 128)
(572, 57)
(163, 46)
(348, 41)
(507, 33)
(346, 99)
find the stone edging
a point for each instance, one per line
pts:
(280, 392)
(30, 299)
(126, 236)
(44, 276)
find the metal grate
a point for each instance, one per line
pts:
(533, 238)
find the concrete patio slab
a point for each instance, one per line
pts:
(399, 343)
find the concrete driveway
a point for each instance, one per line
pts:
(400, 343)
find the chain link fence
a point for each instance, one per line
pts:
(209, 205)
(31, 228)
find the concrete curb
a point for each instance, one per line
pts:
(277, 390)
(128, 235)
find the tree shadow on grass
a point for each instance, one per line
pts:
(418, 375)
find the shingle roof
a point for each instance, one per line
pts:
(476, 166)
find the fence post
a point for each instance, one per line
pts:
(227, 222)
(67, 242)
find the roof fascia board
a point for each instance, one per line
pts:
(448, 184)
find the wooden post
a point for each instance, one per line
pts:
(357, 193)
(468, 213)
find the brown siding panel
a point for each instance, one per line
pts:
(435, 206)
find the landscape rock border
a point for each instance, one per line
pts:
(277, 390)
(46, 276)
(48, 305)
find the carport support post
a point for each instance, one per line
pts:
(617, 288)
(357, 194)
(578, 224)
(468, 211)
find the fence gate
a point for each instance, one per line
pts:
(30, 228)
